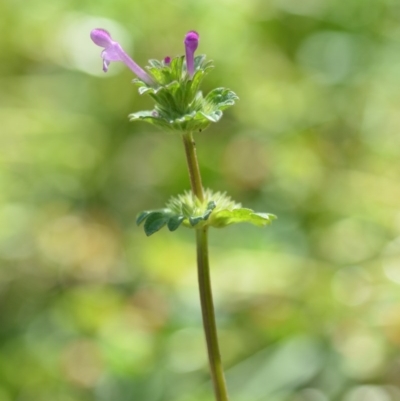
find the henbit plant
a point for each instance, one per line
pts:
(180, 107)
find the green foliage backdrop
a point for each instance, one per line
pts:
(308, 308)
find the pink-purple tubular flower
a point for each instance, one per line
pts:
(191, 42)
(114, 52)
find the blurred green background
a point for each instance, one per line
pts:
(308, 308)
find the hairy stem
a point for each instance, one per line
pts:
(203, 270)
(207, 310)
(193, 166)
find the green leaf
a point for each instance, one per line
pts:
(214, 116)
(141, 217)
(142, 114)
(144, 89)
(155, 63)
(174, 222)
(194, 220)
(176, 67)
(150, 117)
(262, 219)
(199, 60)
(211, 205)
(154, 222)
(241, 215)
(200, 63)
(221, 98)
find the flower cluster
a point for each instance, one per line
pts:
(174, 84)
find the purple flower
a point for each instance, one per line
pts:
(114, 52)
(191, 42)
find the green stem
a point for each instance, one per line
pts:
(203, 269)
(207, 310)
(193, 166)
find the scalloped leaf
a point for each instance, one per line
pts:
(154, 222)
(195, 220)
(241, 215)
(211, 205)
(221, 98)
(174, 222)
(150, 117)
(139, 115)
(214, 116)
(141, 217)
(176, 67)
(144, 89)
(156, 63)
(199, 61)
(188, 122)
